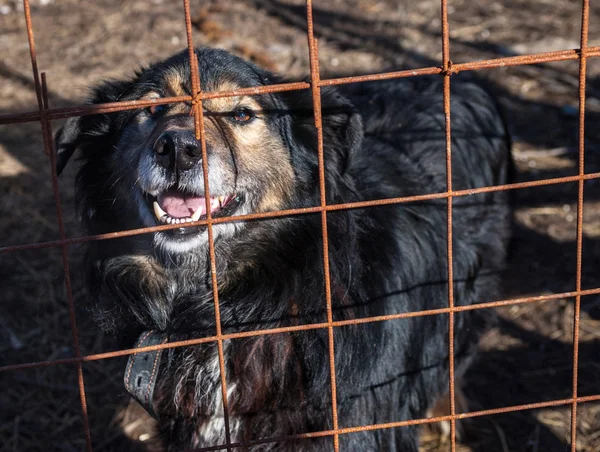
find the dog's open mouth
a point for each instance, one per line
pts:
(179, 207)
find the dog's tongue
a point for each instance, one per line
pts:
(178, 205)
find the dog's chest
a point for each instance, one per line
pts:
(208, 394)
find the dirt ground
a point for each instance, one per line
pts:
(526, 357)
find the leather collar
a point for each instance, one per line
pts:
(142, 369)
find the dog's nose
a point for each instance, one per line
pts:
(177, 147)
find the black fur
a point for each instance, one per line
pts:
(382, 140)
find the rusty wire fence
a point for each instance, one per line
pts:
(45, 115)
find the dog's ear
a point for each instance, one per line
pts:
(81, 130)
(66, 142)
(342, 125)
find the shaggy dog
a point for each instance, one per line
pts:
(381, 140)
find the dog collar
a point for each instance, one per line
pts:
(142, 370)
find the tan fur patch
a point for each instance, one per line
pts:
(179, 109)
(264, 154)
(442, 408)
(175, 83)
(175, 87)
(260, 151)
(225, 103)
(148, 267)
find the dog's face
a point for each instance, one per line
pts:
(249, 167)
(145, 167)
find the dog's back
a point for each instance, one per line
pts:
(404, 154)
(408, 117)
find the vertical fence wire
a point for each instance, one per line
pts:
(316, 97)
(585, 13)
(446, 73)
(199, 130)
(41, 91)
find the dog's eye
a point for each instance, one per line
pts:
(155, 110)
(242, 115)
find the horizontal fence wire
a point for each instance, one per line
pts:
(45, 115)
(114, 107)
(306, 327)
(304, 211)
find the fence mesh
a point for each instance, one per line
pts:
(45, 115)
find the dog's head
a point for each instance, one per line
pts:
(144, 167)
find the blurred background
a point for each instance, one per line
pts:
(526, 357)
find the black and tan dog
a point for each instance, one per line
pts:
(384, 140)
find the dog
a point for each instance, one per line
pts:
(143, 168)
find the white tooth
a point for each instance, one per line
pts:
(164, 218)
(158, 211)
(221, 201)
(198, 213)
